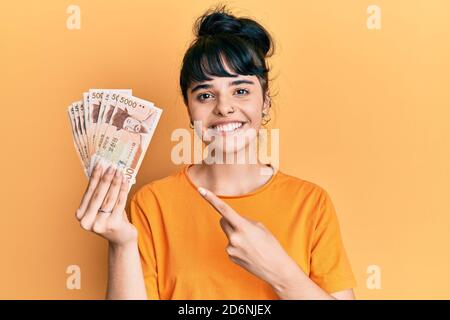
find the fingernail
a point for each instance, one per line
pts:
(202, 191)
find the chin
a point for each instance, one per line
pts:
(237, 152)
(233, 149)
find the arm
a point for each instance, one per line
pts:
(253, 247)
(294, 284)
(102, 211)
(125, 279)
(344, 295)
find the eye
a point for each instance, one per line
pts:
(242, 92)
(204, 96)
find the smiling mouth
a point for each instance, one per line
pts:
(229, 127)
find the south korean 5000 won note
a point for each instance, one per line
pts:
(134, 121)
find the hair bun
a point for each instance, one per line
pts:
(221, 22)
(218, 23)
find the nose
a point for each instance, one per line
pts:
(223, 107)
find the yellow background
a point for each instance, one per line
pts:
(363, 113)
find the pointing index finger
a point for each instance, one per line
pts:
(222, 208)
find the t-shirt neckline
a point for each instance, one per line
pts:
(248, 194)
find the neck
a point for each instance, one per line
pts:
(232, 179)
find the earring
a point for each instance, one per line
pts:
(191, 125)
(266, 118)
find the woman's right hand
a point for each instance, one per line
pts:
(102, 209)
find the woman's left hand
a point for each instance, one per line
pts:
(251, 245)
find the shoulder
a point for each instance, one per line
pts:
(166, 185)
(295, 185)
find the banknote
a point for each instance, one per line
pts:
(86, 116)
(106, 105)
(95, 97)
(81, 112)
(129, 132)
(114, 127)
(79, 129)
(76, 141)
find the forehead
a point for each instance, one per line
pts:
(226, 81)
(222, 80)
(230, 79)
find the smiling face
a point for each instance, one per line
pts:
(230, 109)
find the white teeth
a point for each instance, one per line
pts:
(228, 127)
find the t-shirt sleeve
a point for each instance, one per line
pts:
(330, 267)
(142, 204)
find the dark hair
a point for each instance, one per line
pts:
(223, 39)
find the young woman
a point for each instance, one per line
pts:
(221, 231)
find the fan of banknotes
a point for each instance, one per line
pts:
(114, 127)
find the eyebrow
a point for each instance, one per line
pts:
(232, 83)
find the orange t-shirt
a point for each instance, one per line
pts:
(182, 246)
